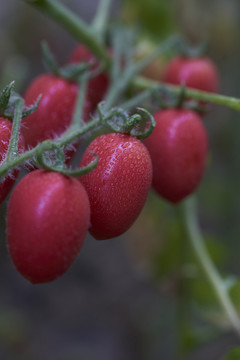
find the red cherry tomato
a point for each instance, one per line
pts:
(117, 188)
(178, 149)
(47, 220)
(197, 73)
(5, 133)
(97, 86)
(55, 111)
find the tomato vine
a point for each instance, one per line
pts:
(120, 111)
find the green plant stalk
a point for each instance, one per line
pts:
(212, 274)
(127, 77)
(183, 296)
(100, 20)
(67, 138)
(74, 25)
(142, 83)
(82, 32)
(13, 144)
(79, 107)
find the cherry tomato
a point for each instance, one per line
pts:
(5, 133)
(55, 111)
(97, 86)
(117, 188)
(178, 149)
(197, 73)
(47, 220)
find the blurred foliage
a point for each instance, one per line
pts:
(155, 17)
(234, 354)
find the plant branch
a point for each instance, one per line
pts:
(79, 108)
(100, 20)
(74, 25)
(127, 76)
(13, 144)
(65, 139)
(142, 83)
(212, 274)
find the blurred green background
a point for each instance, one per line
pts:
(120, 299)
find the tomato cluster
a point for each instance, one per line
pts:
(49, 213)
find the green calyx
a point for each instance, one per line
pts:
(8, 101)
(139, 124)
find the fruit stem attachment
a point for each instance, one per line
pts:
(206, 263)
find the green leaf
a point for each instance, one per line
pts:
(5, 97)
(49, 59)
(234, 354)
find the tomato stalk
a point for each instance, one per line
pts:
(47, 145)
(100, 20)
(84, 33)
(13, 145)
(74, 25)
(142, 83)
(77, 120)
(197, 243)
(74, 132)
(127, 75)
(58, 166)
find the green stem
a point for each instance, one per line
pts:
(13, 144)
(127, 77)
(82, 32)
(212, 274)
(79, 107)
(74, 25)
(183, 313)
(142, 83)
(66, 138)
(100, 20)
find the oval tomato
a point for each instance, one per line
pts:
(117, 188)
(98, 85)
(55, 110)
(47, 220)
(197, 73)
(178, 149)
(5, 134)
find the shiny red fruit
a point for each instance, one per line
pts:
(97, 86)
(55, 111)
(118, 187)
(7, 182)
(178, 149)
(47, 221)
(197, 73)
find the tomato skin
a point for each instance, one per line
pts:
(97, 86)
(197, 73)
(118, 187)
(55, 110)
(47, 220)
(178, 149)
(5, 134)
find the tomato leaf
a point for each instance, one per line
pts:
(5, 97)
